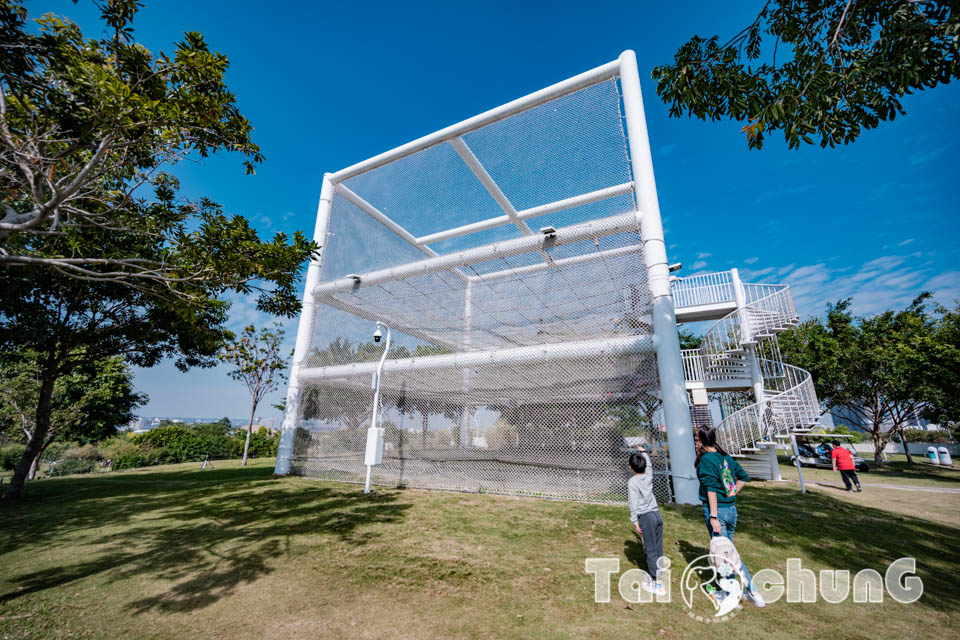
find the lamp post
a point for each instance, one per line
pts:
(374, 449)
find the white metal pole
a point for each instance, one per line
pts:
(676, 410)
(375, 410)
(539, 353)
(291, 416)
(539, 210)
(796, 458)
(611, 225)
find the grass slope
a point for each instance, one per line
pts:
(234, 553)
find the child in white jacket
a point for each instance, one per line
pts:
(645, 515)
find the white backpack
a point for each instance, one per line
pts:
(723, 556)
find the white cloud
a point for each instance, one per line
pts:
(751, 260)
(701, 256)
(699, 264)
(888, 282)
(905, 242)
(925, 156)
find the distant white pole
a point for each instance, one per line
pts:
(291, 415)
(676, 410)
(796, 458)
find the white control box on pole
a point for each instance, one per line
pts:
(374, 453)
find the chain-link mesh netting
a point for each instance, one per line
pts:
(523, 372)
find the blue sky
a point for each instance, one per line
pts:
(327, 85)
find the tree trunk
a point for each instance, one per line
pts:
(878, 445)
(35, 443)
(35, 465)
(906, 449)
(246, 443)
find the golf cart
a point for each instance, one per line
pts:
(819, 456)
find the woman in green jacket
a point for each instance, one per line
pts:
(721, 479)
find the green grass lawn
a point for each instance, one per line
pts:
(235, 553)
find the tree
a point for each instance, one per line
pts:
(105, 270)
(944, 364)
(256, 362)
(86, 125)
(824, 69)
(87, 405)
(884, 369)
(689, 340)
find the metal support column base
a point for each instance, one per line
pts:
(676, 411)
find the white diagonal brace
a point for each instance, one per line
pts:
(386, 221)
(540, 210)
(360, 312)
(486, 179)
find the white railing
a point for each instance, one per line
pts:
(789, 398)
(692, 365)
(708, 288)
(795, 407)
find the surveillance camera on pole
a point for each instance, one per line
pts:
(374, 450)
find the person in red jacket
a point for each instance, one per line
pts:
(843, 462)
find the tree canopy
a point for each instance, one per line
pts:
(884, 369)
(817, 70)
(87, 405)
(89, 129)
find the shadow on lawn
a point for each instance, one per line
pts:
(891, 471)
(843, 535)
(833, 533)
(221, 537)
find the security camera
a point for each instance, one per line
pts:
(377, 335)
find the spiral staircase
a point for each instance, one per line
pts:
(740, 356)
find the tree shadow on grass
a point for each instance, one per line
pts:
(841, 535)
(219, 539)
(50, 509)
(891, 471)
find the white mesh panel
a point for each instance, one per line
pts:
(560, 425)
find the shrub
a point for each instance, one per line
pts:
(84, 452)
(130, 461)
(146, 458)
(922, 435)
(220, 446)
(10, 456)
(181, 441)
(55, 450)
(855, 436)
(71, 466)
(118, 446)
(263, 444)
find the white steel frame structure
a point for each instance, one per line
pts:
(556, 331)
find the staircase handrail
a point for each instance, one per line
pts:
(733, 339)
